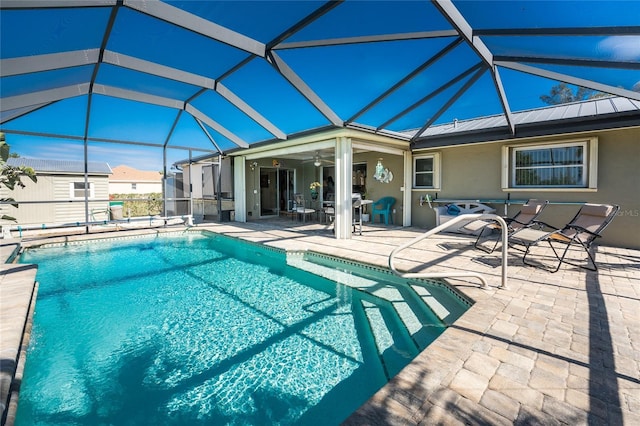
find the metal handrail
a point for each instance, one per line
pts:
(475, 216)
(188, 220)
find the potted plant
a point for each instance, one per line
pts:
(314, 187)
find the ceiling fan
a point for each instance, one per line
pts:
(318, 160)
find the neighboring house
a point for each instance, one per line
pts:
(199, 177)
(58, 196)
(127, 180)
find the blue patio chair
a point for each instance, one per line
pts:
(382, 207)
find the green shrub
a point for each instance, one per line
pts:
(151, 206)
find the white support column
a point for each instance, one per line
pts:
(407, 185)
(240, 189)
(344, 161)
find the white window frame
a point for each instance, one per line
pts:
(134, 186)
(590, 164)
(435, 156)
(72, 190)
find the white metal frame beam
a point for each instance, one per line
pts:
(116, 92)
(215, 125)
(560, 31)
(595, 63)
(106, 140)
(148, 67)
(248, 110)
(152, 68)
(47, 4)
(451, 13)
(366, 39)
(198, 25)
(304, 89)
(48, 62)
(8, 116)
(43, 97)
(571, 80)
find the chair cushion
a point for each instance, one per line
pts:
(453, 210)
(592, 216)
(601, 210)
(530, 209)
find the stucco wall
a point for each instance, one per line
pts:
(377, 190)
(474, 172)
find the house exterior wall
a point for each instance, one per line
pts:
(55, 188)
(474, 172)
(377, 190)
(141, 187)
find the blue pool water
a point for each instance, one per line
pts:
(203, 329)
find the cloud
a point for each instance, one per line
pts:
(622, 48)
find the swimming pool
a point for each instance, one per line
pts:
(202, 329)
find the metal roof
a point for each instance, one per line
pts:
(221, 75)
(61, 166)
(592, 109)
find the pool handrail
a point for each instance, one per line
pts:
(474, 216)
(188, 221)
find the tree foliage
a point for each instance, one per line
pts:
(563, 94)
(149, 207)
(10, 176)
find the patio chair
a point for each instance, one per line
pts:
(329, 207)
(581, 232)
(356, 204)
(524, 218)
(381, 208)
(300, 207)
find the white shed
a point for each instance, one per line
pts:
(58, 196)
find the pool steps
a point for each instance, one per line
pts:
(441, 299)
(394, 344)
(401, 317)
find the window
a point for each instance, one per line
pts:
(566, 165)
(134, 186)
(426, 171)
(78, 190)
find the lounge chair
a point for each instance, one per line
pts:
(381, 208)
(524, 218)
(582, 231)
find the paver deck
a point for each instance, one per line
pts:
(559, 348)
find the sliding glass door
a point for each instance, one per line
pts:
(276, 190)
